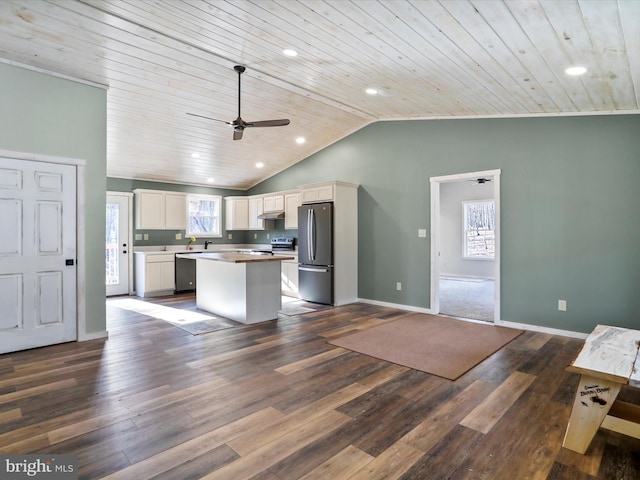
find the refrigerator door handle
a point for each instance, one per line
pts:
(313, 269)
(311, 234)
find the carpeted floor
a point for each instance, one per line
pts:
(438, 345)
(463, 297)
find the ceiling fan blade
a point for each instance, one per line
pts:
(269, 123)
(208, 118)
(237, 133)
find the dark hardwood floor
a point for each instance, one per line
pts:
(276, 401)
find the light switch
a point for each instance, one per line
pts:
(138, 236)
(422, 232)
(178, 236)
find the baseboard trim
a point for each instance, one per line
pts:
(396, 305)
(538, 328)
(83, 337)
(502, 323)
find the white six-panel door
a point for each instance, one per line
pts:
(37, 254)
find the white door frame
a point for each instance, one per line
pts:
(129, 197)
(435, 235)
(80, 230)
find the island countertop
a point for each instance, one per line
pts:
(235, 257)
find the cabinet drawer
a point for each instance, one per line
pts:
(160, 257)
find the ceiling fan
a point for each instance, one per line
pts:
(239, 124)
(481, 181)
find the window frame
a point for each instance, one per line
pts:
(217, 199)
(465, 255)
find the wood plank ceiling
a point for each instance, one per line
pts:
(161, 59)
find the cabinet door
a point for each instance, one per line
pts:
(159, 276)
(150, 210)
(290, 278)
(274, 203)
(255, 209)
(175, 211)
(237, 213)
(291, 204)
(321, 193)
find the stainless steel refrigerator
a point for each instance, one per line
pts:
(315, 252)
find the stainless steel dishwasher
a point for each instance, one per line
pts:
(185, 274)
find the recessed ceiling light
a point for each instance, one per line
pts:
(195, 155)
(300, 140)
(371, 91)
(211, 180)
(289, 52)
(259, 165)
(575, 71)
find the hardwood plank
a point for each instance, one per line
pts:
(343, 465)
(178, 455)
(10, 415)
(281, 426)
(443, 419)
(263, 457)
(488, 413)
(137, 409)
(390, 464)
(311, 361)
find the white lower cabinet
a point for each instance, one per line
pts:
(289, 278)
(155, 274)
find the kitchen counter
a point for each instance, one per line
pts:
(240, 286)
(235, 257)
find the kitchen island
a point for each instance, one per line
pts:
(240, 286)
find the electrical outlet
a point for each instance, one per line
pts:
(267, 236)
(398, 285)
(255, 236)
(230, 236)
(146, 236)
(138, 236)
(562, 305)
(178, 236)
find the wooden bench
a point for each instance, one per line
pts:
(608, 360)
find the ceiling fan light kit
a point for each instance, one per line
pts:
(239, 124)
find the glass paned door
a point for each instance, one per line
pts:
(117, 245)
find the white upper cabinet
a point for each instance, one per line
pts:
(274, 203)
(236, 213)
(175, 211)
(291, 204)
(256, 207)
(317, 193)
(158, 210)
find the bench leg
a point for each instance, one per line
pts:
(593, 400)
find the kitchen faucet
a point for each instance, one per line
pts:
(207, 243)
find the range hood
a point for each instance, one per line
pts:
(271, 215)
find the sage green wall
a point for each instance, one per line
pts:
(52, 116)
(570, 188)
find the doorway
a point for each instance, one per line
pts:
(119, 244)
(465, 263)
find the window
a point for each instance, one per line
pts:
(204, 215)
(479, 229)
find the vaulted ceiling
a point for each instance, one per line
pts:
(162, 59)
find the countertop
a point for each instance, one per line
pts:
(235, 257)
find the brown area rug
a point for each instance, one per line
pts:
(438, 345)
